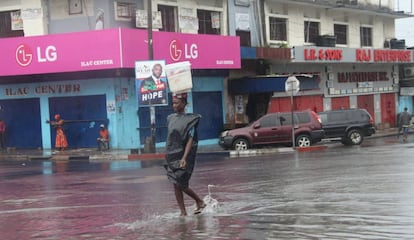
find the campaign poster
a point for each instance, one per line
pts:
(151, 83)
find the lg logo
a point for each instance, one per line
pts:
(24, 54)
(177, 50)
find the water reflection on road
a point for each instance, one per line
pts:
(362, 192)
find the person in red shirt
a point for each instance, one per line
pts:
(2, 131)
(103, 140)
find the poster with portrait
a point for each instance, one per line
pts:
(151, 83)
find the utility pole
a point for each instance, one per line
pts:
(149, 30)
(150, 141)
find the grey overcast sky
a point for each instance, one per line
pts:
(404, 28)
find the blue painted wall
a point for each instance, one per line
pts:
(405, 101)
(121, 106)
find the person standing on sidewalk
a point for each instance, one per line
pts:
(60, 143)
(2, 132)
(404, 121)
(181, 149)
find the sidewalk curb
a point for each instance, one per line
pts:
(255, 152)
(123, 154)
(311, 148)
(146, 156)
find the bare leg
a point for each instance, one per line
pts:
(180, 199)
(194, 196)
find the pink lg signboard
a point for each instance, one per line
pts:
(60, 53)
(202, 51)
(113, 48)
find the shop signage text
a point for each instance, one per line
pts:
(71, 52)
(323, 54)
(349, 77)
(24, 54)
(382, 55)
(43, 89)
(316, 54)
(176, 50)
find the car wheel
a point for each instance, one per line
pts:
(355, 137)
(240, 144)
(303, 141)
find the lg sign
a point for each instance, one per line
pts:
(25, 55)
(177, 50)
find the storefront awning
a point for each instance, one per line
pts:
(262, 84)
(257, 84)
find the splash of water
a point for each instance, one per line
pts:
(212, 204)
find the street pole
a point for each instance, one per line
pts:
(292, 88)
(151, 141)
(149, 31)
(293, 120)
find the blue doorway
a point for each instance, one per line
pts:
(161, 114)
(82, 115)
(209, 105)
(22, 118)
(210, 126)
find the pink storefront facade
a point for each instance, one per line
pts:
(89, 76)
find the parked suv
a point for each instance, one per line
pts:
(275, 128)
(350, 125)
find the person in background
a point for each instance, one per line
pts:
(60, 143)
(404, 121)
(103, 140)
(2, 132)
(181, 149)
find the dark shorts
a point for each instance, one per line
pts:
(405, 129)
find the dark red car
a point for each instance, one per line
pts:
(275, 128)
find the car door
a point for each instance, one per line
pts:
(334, 123)
(265, 130)
(284, 133)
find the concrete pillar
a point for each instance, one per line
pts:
(34, 15)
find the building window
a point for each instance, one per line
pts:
(244, 38)
(124, 11)
(341, 33)
(278, 29)
(168, 18)
(10, 27)
(311, 32)
(366, 36)
(208, 22)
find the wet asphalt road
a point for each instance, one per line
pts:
(359, 192)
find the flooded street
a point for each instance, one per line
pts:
(359, 192)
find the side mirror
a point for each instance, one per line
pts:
(256, 125)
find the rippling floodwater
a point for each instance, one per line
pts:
(364, 192)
